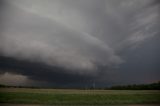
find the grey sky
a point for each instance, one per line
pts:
(83, 39)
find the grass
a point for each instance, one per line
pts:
(78, 97)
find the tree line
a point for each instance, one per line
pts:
(152, 86)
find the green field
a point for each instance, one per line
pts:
(78, 97)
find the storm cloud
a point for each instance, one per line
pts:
(71, 41)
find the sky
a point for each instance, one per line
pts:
(78, 43)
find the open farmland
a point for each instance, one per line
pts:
(78, 97)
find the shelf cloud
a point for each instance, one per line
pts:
(84, 38)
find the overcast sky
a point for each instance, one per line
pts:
(79, 42)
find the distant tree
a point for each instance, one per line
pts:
(2, 86)
(153, 86)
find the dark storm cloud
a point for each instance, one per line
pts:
(40, 72)
(142, 65)
(74, 41)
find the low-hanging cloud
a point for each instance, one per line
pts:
(33, 35)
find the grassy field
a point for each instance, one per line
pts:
(78, 97)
